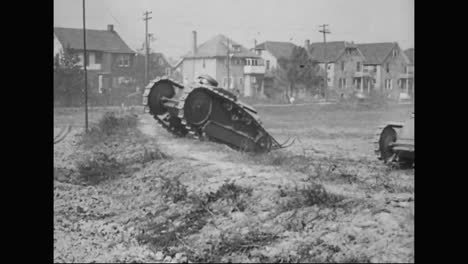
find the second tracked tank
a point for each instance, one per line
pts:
(203, 110)
(394, 142)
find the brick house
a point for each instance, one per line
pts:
(390, 67)
(345, 65)
(246, 70)
(109, 62)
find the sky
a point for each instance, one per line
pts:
(173, 21)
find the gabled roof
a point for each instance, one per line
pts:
(98, 40)
(277, 49)
(376, 53)
(410, 54)
(334, 49)
(217, 47)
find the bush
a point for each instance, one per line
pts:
(309, 194)
(173, 189)
(98, 166)
(109, 125)
(232, 193)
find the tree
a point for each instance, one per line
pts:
(68, 76)
(299, 68)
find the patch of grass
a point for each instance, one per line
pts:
(97, 167)
(230, 244)
(172, 189)
(109, 125)
(232, 193)
(309, 194)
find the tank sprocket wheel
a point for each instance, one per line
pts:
(197, 108)
(387, 137)
(155, 103)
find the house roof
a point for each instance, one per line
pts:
(375, 53)
(98, 40)
(410, 54)
(217, 47)
(334, 49)
(277, 49)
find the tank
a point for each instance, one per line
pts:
(204, 111)
(395, 142)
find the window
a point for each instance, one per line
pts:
(115, 82)
(267, 64)
(168, 71)
(387, 67)
(98, 58)
(254, 79)
(342, 83)
(358, 66)
(388, 84)
(342, 66)
(329, 66)
(394, 53)
(123, 61)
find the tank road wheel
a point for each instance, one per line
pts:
(198, 107)
(162, 89)
(387, 136)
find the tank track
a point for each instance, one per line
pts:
(186, 129)
(377, 135)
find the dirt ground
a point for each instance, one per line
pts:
(371, 219)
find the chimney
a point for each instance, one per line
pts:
(110, 28)
(307, 44)
(194, 42)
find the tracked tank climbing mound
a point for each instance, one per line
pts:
(203, 110)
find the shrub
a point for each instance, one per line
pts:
(233, 194)
(98, 166)
(173, 189)
(109, 125)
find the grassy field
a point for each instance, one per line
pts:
(161, 198)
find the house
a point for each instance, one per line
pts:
(158, 66)
(271, 52)
(109, 58)
(390, 65)
(246, 69)
(345, 65)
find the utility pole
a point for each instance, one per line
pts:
(146, 18)
(228, 65)
(325, 31)
(85, 71)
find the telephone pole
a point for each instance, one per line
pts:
(325, 31)
(146, 18)
(228, 65)
(85, 71)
